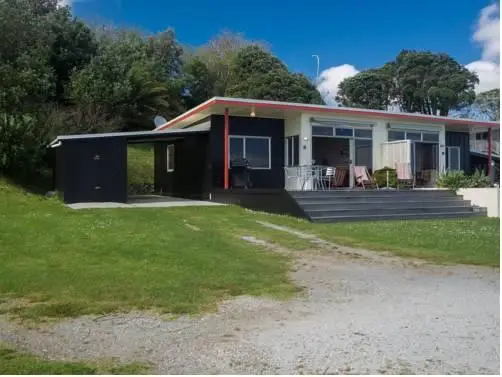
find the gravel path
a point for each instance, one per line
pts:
(362, 315)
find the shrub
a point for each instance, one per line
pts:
(480, 179)
(454, 180)
(380, 177)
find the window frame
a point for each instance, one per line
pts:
(292, 149)
(449, 148)
(421, 132)
(170, 161)
(244, 138)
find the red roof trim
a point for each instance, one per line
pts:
(322, 109)
(189, 113)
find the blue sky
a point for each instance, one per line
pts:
(361, 34)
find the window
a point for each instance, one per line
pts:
(253, 148)
(416, 136)
(322, 131)
(430, 137)
(291, 150)
(363, 134)
(344, 132)
(482, 136)
(170, 158)
(396, 135)
(452, 158)
(424, 136)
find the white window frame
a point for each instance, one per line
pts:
(287, 141)
(243, 138)
(421, 132)
(343, 126)
(448, 153)
(170, 163)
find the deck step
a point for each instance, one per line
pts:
(372, 205)
(413, 216)
(314, 205)
(358, 212)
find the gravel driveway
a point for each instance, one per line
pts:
(369, 314)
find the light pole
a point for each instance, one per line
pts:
(317, 72)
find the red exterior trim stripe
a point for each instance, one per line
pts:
(322, 109)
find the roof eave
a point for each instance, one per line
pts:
(323, 109)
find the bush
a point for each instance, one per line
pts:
(454, 180)
(480, 179)
(380, 177)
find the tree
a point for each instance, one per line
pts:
(73, 44)
(370, 90)
(488, 104)
(26, 77)
(416, 81)
(198, 83)
(432, 83)
(132, 78)
(260, 75)
(218, 56)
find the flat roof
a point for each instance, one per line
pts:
(282, 110)
(176, 132)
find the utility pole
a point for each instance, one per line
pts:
(317, 72)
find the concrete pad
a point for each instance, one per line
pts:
(147, 201)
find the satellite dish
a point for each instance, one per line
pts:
(159, 121)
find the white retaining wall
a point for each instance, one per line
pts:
(488, 198)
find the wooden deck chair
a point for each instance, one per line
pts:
(404, 176)
(363, 178)
(339, 178)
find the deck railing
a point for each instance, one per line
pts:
(481, 146)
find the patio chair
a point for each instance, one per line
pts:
(340, 175)
(363, 178)
(405, 177)
(327, 175)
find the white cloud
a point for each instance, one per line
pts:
(65, 2)
(487, 34)
(488, 74)
(331, 78)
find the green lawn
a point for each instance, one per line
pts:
(15, 363)
(463, 241)
(67, 263)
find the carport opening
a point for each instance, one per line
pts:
(140, 170)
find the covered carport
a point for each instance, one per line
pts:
(93, 167)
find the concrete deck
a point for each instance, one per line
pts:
(146, 201)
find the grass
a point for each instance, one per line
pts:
(458, 241)
(15, 363)
(65, 263)
(140, 166)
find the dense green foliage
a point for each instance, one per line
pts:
(380, 177)
(415, 81)
(60, 76)
(454, 180)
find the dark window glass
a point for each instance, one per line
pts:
(453, 158)
(322, 131)
(289, 162)
(296, 154)
(236, 146)
(346, 132)
(431, 136)
(396, 135)
(367, 134)
(417, 136)
(258, 152)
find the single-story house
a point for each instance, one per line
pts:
(194, 152)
